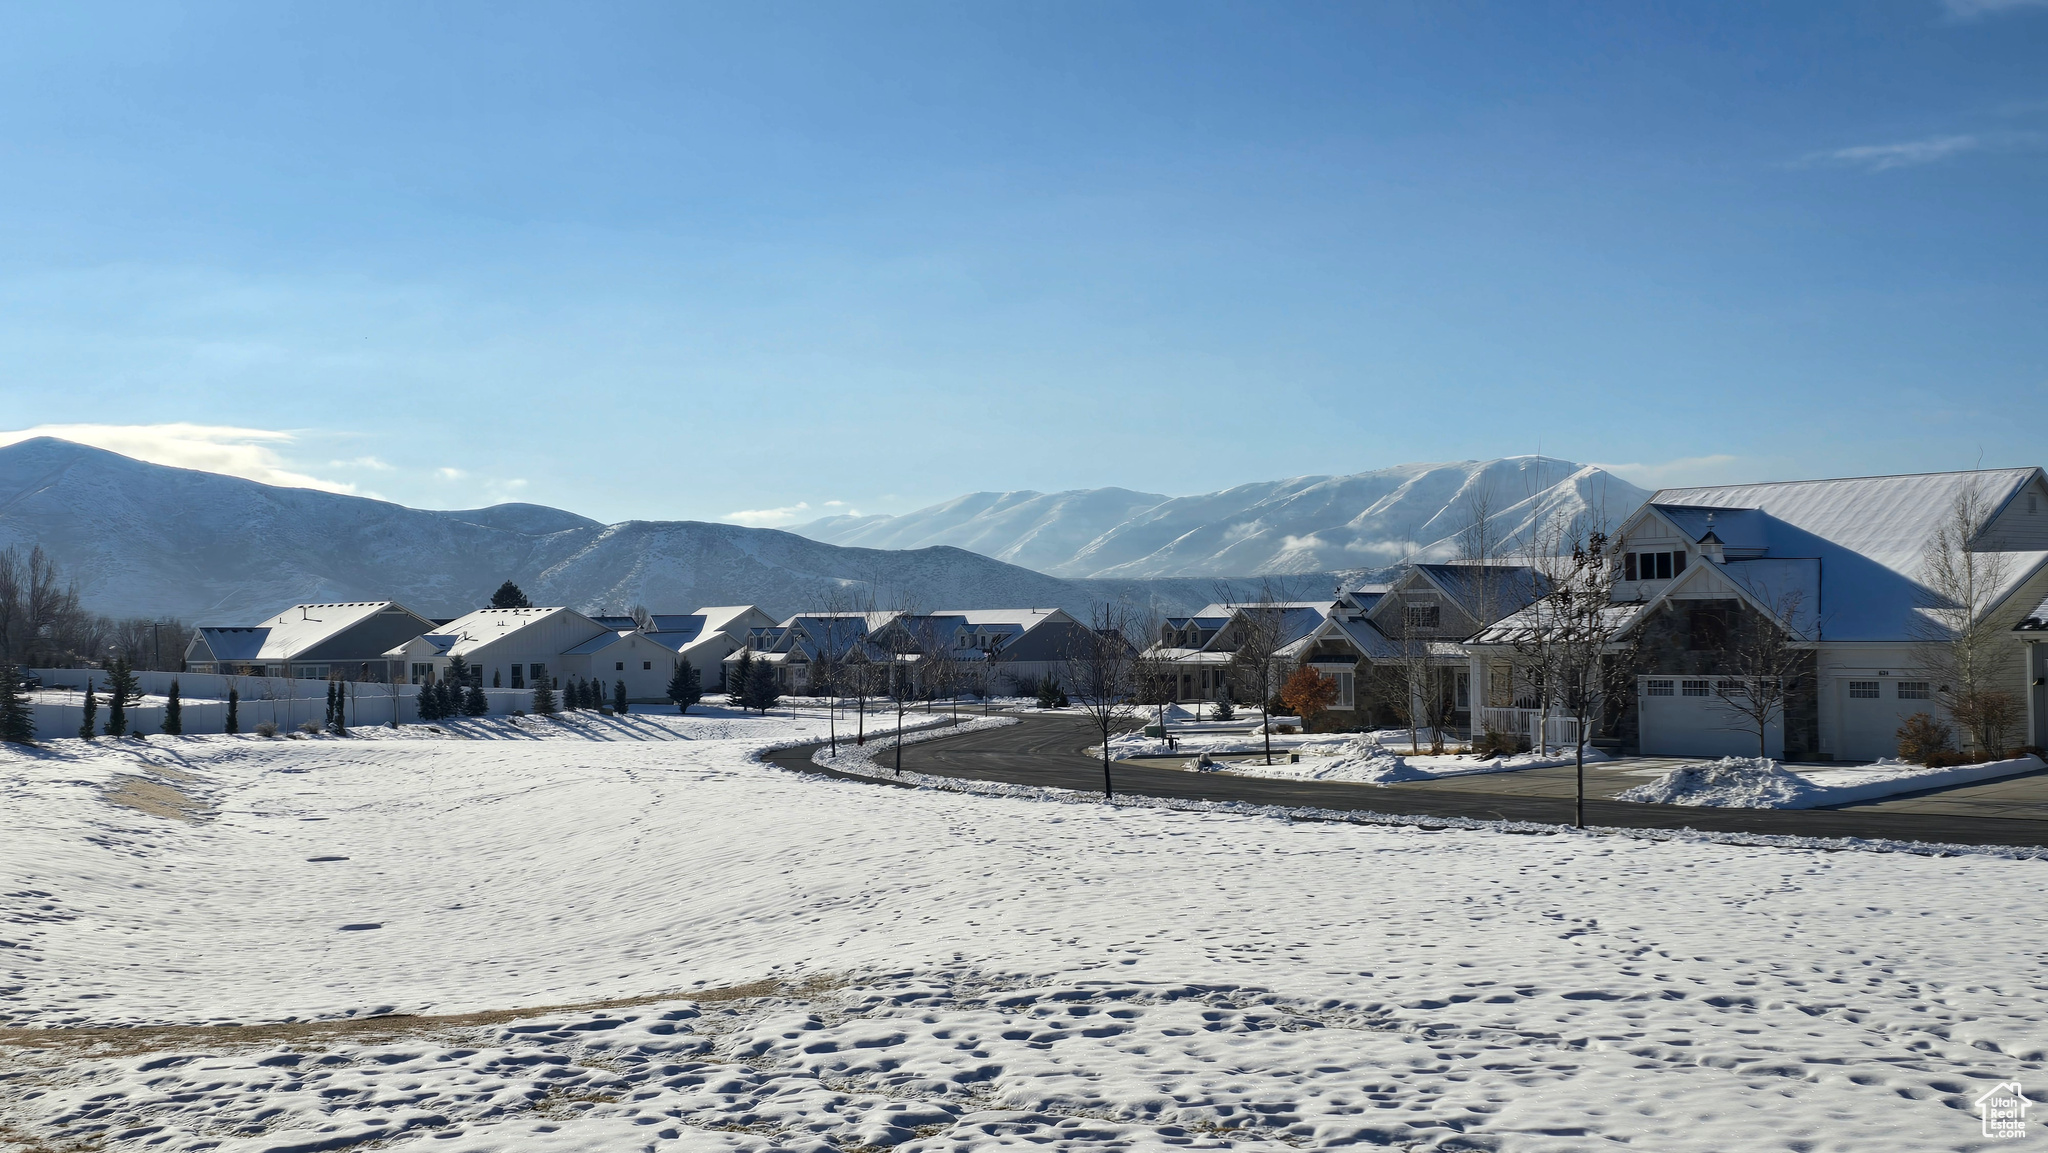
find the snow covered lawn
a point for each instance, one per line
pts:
(1750, 783)
(706, 952)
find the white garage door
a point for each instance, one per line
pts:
(1682, 718)
(1872, 709)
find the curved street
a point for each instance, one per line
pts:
(1047, 751)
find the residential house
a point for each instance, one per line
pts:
(1842, 567)
(1404, 637)
(703, 638)
(1199, 654)
(518, 648)
(315, 641)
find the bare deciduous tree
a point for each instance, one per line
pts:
(1761, 668)
(1968, 651)
(1100, 665)
(1564, 644)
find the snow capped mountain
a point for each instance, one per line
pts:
(147, 539)
(1304, 525)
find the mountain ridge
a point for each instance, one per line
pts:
(1295, 526)
(147, 539)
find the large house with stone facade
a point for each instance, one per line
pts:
(1842, 569)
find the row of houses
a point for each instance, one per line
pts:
(1844, 567)
(511, 648)
(1690, 569)
(993, 651)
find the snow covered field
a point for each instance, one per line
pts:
(711, 953)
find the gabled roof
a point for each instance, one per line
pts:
(1867, 538)
(1508, 586)
(600, 642)
(295, 630)
(234, 643)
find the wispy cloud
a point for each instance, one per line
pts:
(369, 462)
(1905, 154)
(1978, 9)
(249, 453)
(788, 514)
(446, 473)
(1928, 150)
(1719, 468)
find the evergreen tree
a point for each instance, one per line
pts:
(475, 703)
(120, 692)
(543, 699)
(339, 726)
(619, 701)
(570, 698)
(174, 712)
(92, 706)
(425, 703)
(685, 688)
(459, 672)
(234, 722)
(737, 680)
(762, 691)
(17, 719)
(447, 699)
(508, 596)
(495, 683)
(329, 722)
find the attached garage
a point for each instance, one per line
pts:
(1870, 707)
(1681, 717)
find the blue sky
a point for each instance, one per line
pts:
(782, 260)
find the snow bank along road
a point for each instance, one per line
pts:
(659, 942)
(1046, 751)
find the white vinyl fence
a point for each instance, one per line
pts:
(1542, 731)
(285, 702)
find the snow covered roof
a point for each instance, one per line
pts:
(295, 630)
(1867, 537)
(2036, 621)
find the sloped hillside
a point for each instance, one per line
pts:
(147, 539)
(1304, 525)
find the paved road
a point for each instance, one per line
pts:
(1047, 751)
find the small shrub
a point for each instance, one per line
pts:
(1493, 743)
(1285, 730)
(312, 728)
(1223, 710)
(1922, 738)
(266, 728)
(2026, 751)
(1948, 758)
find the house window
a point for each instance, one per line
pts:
(421, 674)
(1424, 616)
(1346, 691)
(1915, 690)
(646, 665)
(1653, 566)
(518, 681)
(1693, 688)
(537, 673)
(1863, 690)
(1659, 689)
(1464, 698)
(618, 666)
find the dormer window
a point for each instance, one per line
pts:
(1652, 566)
(1424, 616)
